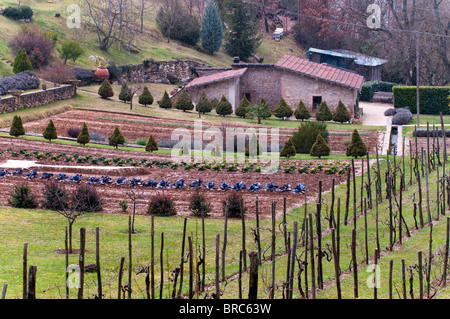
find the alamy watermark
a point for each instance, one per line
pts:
(374, 19)
(74, 16)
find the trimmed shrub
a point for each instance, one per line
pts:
(370, 87)
(320, 147)
(341, 114)
(73, 132)
(116, 138)
(161, 205)
(166, 102)
(22, 62)
(402, 117)
(23, 12)
(390, 112)
(256, 148)
(22, 197)
(146, 97)
(125, 93)
(151, 145)
(356, 147)
(324, 114)
(86, 199)
(302, 112)
(224, 107)
(306, 136)
(55, 197)
(198, 204)
(288, 149)
(282, 110)
(184, 102)
(204, 105)
(50, 132)
(433, 99)
(83, 138)
(234, 205)
(243, 108)
(105, 90)
(17, 128)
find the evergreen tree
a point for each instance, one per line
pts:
(341, 114)
(288, 149)
(320, 147)
(243, 108)
(302, 112)
(253, 148)
(146, 97)
(261, 111)
(323, 113)
(166, 102)
(22, 62)
(224, 107)
(356, 147)
(151, 145)
(204, 105)
(17, 128)
(50, 132)
(211, 31)
(184, 102)
(116, 138)
(282, 110)
(83, 138)
(125, 93)
(105, 90)
(70, 50)
(242, 38)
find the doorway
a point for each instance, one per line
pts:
(316, 101)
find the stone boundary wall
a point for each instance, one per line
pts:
(36, 98)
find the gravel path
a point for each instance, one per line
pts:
(373, 113)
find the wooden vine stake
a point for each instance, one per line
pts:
(253, 276)
(81, 261)
(25, 270)
(97, 262)
(336, 264)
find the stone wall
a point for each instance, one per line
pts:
(167, 72)
(36, 98)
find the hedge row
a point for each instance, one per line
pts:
(23, 12)
(433, 99)
(370, 87)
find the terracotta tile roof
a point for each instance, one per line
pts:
(321, 71)
(216, 77)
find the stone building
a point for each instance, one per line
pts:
(292, 78)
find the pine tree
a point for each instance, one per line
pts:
(83, 138)
(116, 138)
(50, 132)
(288, 149)
(282, 110)
(323, 113)
(204, 105)
(166, 102)
(146, 97)
(224, 107)
(211, 31)
(22, 62)
(356, 147)
(125, 93)
(302, 112)
(184, 102)
(341, 114)
(242, 39)
(151, 145)
(243, 108)
(105, 90)
(17, 128)
(320, 147)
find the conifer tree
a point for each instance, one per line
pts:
(146, 97)
(151, 145)
(224, 107)
(204, 105)
(22, 62)
(243, 108)
(116, 138)
(211, 31)
(50, 132)
(253, 148)
(105, 90)
(83, 138)
(357, 147)
(17, 128)
(184, 102)
(323, 113)
(166, 102)
(288, 149)
(125, 93)
(282, 110)
(320, 147)
(341, 114)
(302, 112)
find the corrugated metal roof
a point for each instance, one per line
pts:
(359, 58)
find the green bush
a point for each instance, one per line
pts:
(151, 145)
(302, 112)
(341, 114)
(224, 107)
(323, 113)
(146, 97)
(23, 12)
(204, 105)
(184, 102)
(55, 197)
(356, 147)
(116, 138)
(243, 108)
(369, 88)
(86, 199)
(50, 132)
(288, 149)
(125, 93)
(166, 102)
(22, 197)
(22, 62)
(433, 99)
(105, 90)
(198, 204)
(17, 128)
(306, 136)
(320, 147)
(161, 205)
(234, 205)
(83, 138)
(282, 110)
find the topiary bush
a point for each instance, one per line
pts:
(234, 205)
(184, 102)
(323, 113)
(282, 110)
(17, 128)
(55, 197)
(50, 132)
(85, 198)
(402, 117)
(22, 62)
(356, 147)
(116, 138)
(146, 97)
(166, 102)
(22, 197)
(151, 145)
(288, 149)
(243, 108)
(320, 147)
(204, 105)
(198, 204)
(161, 205)
(302, 112)
(105, 90)
(83, 138)
(341, 114)
(224, 107)
(125, 93)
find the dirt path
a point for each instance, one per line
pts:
(373, 113)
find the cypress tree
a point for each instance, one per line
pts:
(22, 62)
(224, 107)
(204, 105)
(323, 113)
(302, 112)
(320, 147)
(282, 110)
(357, 147)
(125, 93)
(341, 114)
(288, 149)
(243, 108)
(17, 128)
(151, 145)
(211, 31)
(146, 97)
(50, 132)
(166, 102)
(184, 102)
(83, 137)
(105, 90)
(253, 147)
(116, 138)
